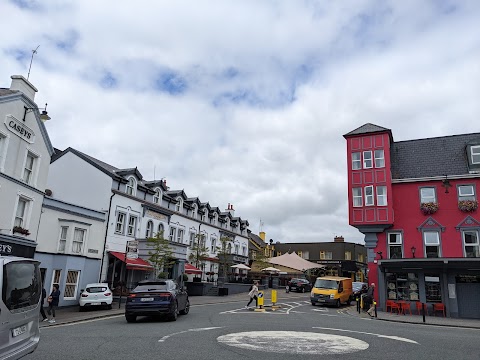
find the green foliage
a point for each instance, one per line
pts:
(262, 260)
(223, 255)
(162, 275)
(160, 254)
(199, 252)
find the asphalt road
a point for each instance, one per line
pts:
(296, 331)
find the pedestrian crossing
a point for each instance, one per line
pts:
(288, 308)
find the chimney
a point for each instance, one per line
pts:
(230, 209)
(23, 85)
(338, 239)
(262, 235)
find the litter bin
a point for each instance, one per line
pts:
(222, 291)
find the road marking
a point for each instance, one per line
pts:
(321, 310)
(189, 330)
(293, 342)
(367, 333)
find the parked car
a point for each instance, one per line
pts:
(95, 295)
(157, 298)
(358, 289)
(299, 285)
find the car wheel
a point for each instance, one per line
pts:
(337, 304)
(131, 318)
(187, 308)
(313, 303)
(174, 314)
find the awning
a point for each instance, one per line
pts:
(190, 269)
(133, 264)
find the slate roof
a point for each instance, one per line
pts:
(430, 157)
(366, 129)
(4, 91)
(256, 239)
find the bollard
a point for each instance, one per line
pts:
(274, 297)
(423, 311)
(375, 304)
(358, 305)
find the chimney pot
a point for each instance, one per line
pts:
(23, 85)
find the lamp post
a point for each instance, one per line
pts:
(413, 249)
(43, 116)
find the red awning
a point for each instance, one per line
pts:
(133, 264)
(190, 269)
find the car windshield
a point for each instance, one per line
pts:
(326, 284)
(96, 289)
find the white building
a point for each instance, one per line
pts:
(25, 152)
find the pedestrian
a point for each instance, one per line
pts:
(53, 303)
(253, 294)
(42, 310)
(370, 297)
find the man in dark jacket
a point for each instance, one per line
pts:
(42, 311)
(53, 302)
(370, 297)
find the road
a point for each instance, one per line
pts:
(296, 331)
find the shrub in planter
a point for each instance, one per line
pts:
(468, 205)
(429, 208)
(185, 277)
(162, 275)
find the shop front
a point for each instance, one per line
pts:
(16, 246)
(450, 283)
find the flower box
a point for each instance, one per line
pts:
(20, 230)
(429, 208)
(468, 205)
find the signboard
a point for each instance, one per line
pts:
(467, 278)
(155, 215)
(132, 249)
(12, 249)
(260, 298)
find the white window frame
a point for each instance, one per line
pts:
(131, 228)
(437, 242)
(396, 242)
(428, 198)
(63, 236)
(357, 197)
(149, 229)
(57, 273)
(75, 242)
(21, 219)
(244, 250)
(229, 248)
(367, 159)
(173, 233)
(191, 238)
(475, 244)
(237, 248)
(356, 162)
(120, 223)
(213, 248)
(178, 205)
(369, 198)
(32, 172)
(194, 211)
(161, 230)
(180, 233)
(379, 157)
(475, 154)
(75, 285)
(381, 195)
(157, 196)
(466, 195)
(131, 188)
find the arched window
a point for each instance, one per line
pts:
(229, 248)
(236, 249)
(131, 186)
(215, 219)
(161, 230)
(157, 196)
(194, 211)
(178, 205)
(149, 232)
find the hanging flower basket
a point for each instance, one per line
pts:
(468, 205)
(429, 208)
(20, 230)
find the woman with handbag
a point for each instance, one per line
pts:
(53, 302)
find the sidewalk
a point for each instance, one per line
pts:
(71, 314)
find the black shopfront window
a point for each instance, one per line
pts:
(432, 288)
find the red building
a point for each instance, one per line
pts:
(416, 203)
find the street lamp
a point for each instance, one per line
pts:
(43, 116)
(413, 249)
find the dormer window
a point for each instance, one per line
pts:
(204, 215)
(178, 205)
(131, 186)
(157, 196)
(475, 154)
(215, 219)
(194, 211)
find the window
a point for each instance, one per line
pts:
(214, 245)
(171, 237)
(191, 239)
(381, 195)
(63, 238)
(379, 159)
(204, 215)
(21, 285)
(244, 250)
(356, 161)
(29, 167)
(471, 244)
(180, 236)
(360, 257)
(78, 237)
(131, 186)
(149, 231)
(394, 243)
(357, 197)
(20, 215)
(71, 284)
(178, 205)
(427, 195)
(325, 255)
(466, 192)
(300, 254)
(432, 244)
(55, 279)
(194, 212)
(432, 288)
(236, 249)
(306, 255)
(161, 229)
(132, 223)
(348, 255)
(367, 160)
(368, 195)
(229, 248)
(157, 196)
(120, 225)
(475, 154)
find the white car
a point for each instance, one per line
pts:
(96, 295)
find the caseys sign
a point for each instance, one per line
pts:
(13, 249)
(6, 249)
(20, 129)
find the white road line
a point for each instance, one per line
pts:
(367, 333)
(189, 330)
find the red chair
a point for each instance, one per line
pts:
(404, 307)
(418, 306)
(388, 305)
(439, 307)
(395, 306)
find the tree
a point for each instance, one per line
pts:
(160, 254)
(261, 260)
(223, 252)
(199, 252)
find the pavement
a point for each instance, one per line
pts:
(71, 314)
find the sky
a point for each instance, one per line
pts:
(246, 102)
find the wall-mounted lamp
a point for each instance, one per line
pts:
(413, 248)
(380, 253)
(43, 116)
(446, 184)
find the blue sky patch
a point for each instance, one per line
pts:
(26, 4)
(171, 82)
(69, 42)
(108, 81)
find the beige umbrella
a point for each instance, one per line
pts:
(271, 269)
(241, 267)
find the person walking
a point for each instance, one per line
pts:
(253, 294)
(42, 310)
(53, 303)
(370, 297)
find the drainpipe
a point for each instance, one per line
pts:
(105, 240)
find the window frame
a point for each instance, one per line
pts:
(84, 233)
(349, 257)
(32, 172)
(131, 187)
(472, 196)
(422, 198)
(161, 229)
(438, 245)
(55, 272)
(157, 196)
(25, 213)
(149, 229)
(4, 139)
(61, 239)
(476, 244)
(213, 246)
(65, 297)
(367, 196)
(382, 159)
(475, 153)
(132, 228)
(122, 223)
(178, 204)
(180, 233)
(396, 244)
(367, 159)
(172, 234)
(356, 197)
(356, 163)
(381, 196)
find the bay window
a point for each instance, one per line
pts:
(357, 197)
(356, 161)
(367, 160)
(368, 195)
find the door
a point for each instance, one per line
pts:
(468, 304)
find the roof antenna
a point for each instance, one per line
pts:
(31, 60)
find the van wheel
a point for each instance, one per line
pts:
(313, 303)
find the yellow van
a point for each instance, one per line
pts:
(331, 290)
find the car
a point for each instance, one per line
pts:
(299, 285)
(95, 295)
(358, 288)
(157, 298)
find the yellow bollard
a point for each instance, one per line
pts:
(274, 297)
(260, 299)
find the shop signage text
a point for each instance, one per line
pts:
(19, 129)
